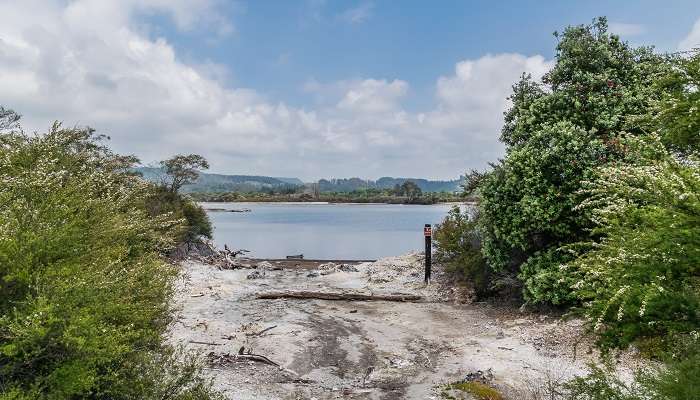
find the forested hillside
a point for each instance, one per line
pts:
(215, 183)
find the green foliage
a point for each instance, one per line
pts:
(339, 185)
(676, 114)
(679, 379)
(196, 222)
(557, 133)
(477, 390)
(601, 384)
(457, 248)
(527, 205)
(370, 195)
(408, 189)
(84, 295)
(183, 169)
(642, 278)
(546, 279)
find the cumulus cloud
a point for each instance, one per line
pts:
(93, 62)
(692, 41)
(374, 96)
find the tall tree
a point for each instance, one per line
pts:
(556, 133)
(411, 190)
(183, 169)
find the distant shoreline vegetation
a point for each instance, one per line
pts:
(219, 183)
(253, 188)
(358, 196)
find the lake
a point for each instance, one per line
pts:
(324, 231)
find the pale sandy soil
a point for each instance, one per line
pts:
(366, 350)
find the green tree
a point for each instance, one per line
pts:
(182, 170)
(411, 190)
(556, 133)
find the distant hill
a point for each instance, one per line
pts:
(219, 183)
(224, 183)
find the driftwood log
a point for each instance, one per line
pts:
(338, 296)
(228, 358)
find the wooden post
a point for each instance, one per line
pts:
(428, 233)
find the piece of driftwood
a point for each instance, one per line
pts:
(207, 343)
(338, 296)
(263, 331)
(229, 358)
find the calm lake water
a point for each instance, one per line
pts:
(323, 231)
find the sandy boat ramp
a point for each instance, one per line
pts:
(337, 349)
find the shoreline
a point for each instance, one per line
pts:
(337, 203)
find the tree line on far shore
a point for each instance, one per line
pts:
(406, 193)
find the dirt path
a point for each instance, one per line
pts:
(362, 350)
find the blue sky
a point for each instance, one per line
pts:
(278, 46)
(300, 88)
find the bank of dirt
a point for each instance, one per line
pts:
(364, 349)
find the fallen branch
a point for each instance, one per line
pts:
(263, 331)
(338, 296)
(229, 358)
(207, 343)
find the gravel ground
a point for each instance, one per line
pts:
(365, 350)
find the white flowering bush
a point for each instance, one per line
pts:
(642, 277)
(84, 294)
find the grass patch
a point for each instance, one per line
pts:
(479, 390)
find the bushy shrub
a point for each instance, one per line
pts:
(642, 278)
(557, 132)
(527, 207)
(547, 279)
(84, 295)
(458, 249)
(679, 379)
(676, 115)
(196, 221)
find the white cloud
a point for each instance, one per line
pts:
(374, 96)
(359, 14)
(692, 41)
(90, 63)
(626, 30)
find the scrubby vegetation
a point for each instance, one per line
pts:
(85, 293)
(596, 206)
(476, 390)
(388, 196)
